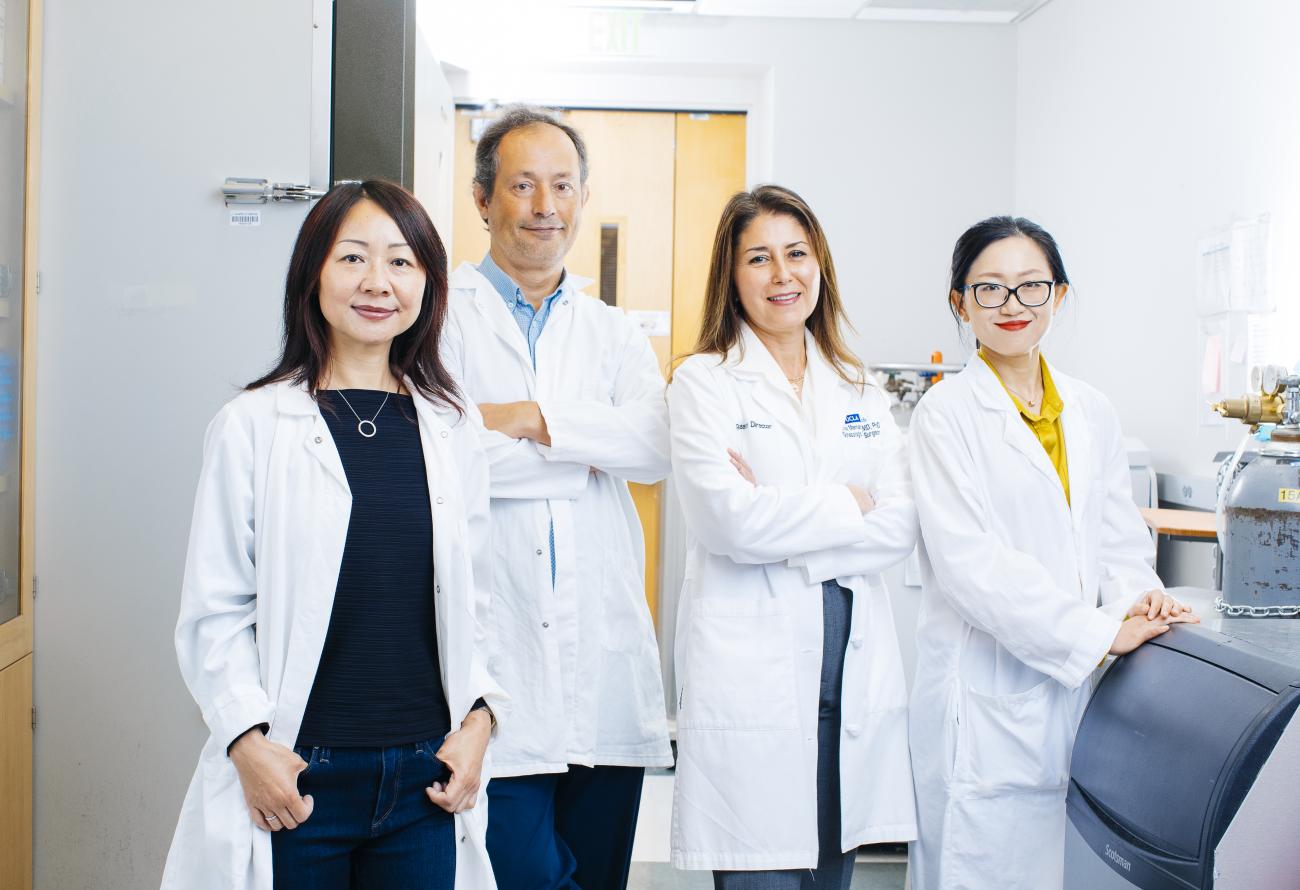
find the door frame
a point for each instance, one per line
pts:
(668, 87)
(16, 635)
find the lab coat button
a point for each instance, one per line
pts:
(853, 729)
(546, 624)
(539, 553)
(318, 440)
(444, 435)
(857, 642)
(438, 500)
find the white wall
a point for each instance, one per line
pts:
(899, 135)
(1140, 128)
(153, 311)
(435, 138)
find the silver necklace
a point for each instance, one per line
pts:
(362, 424)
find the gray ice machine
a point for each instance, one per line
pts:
(1186, 767)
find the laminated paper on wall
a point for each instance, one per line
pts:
(1232, 269)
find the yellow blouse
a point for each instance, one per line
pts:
(1046, 425)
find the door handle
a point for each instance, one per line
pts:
(258, 191)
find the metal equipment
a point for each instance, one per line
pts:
(906, 382)
(1260, 505)
(1186, 763)
(239, 190)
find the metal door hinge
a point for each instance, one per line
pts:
(34, 586)
(259, 191)
(33, 718)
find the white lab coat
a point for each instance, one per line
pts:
(749, 638)
(579, 657)
(1010, 628)
(270, 520)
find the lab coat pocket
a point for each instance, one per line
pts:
(1011, 743)
(739, 667)
(861, 461)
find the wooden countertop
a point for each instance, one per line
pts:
(1183, 523)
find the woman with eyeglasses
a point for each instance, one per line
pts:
(1033, 557)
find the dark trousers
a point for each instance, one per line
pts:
(834, 869)
(372, 826)
(564, 831)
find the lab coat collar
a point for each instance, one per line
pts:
(750, 358)
(991, 394)
(467, 277)
(295, 399)
(496, 313)
(1074, 429)
(988, 389)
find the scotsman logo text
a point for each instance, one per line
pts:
(1118, 859)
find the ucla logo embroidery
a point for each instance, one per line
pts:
(857, 428)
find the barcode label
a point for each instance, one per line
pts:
(245, 217)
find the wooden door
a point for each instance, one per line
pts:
(710, 169)
(20, 43)
(658, 181)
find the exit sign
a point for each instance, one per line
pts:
(615, 33)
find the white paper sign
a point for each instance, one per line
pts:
(1232, 269)
(653, 322)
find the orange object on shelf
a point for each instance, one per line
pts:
(936, 358)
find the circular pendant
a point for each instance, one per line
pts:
(367, 428)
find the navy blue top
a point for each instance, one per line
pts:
(378, 683)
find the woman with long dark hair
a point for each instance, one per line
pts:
(1033, 555)
(328, 624)
(791, 705)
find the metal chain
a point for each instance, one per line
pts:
(1255, 611)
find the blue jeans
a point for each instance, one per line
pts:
(564, 831)
(834, 869)
(372, 826)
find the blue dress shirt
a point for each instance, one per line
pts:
(530, 321)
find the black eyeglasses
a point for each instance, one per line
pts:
(994, 296)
